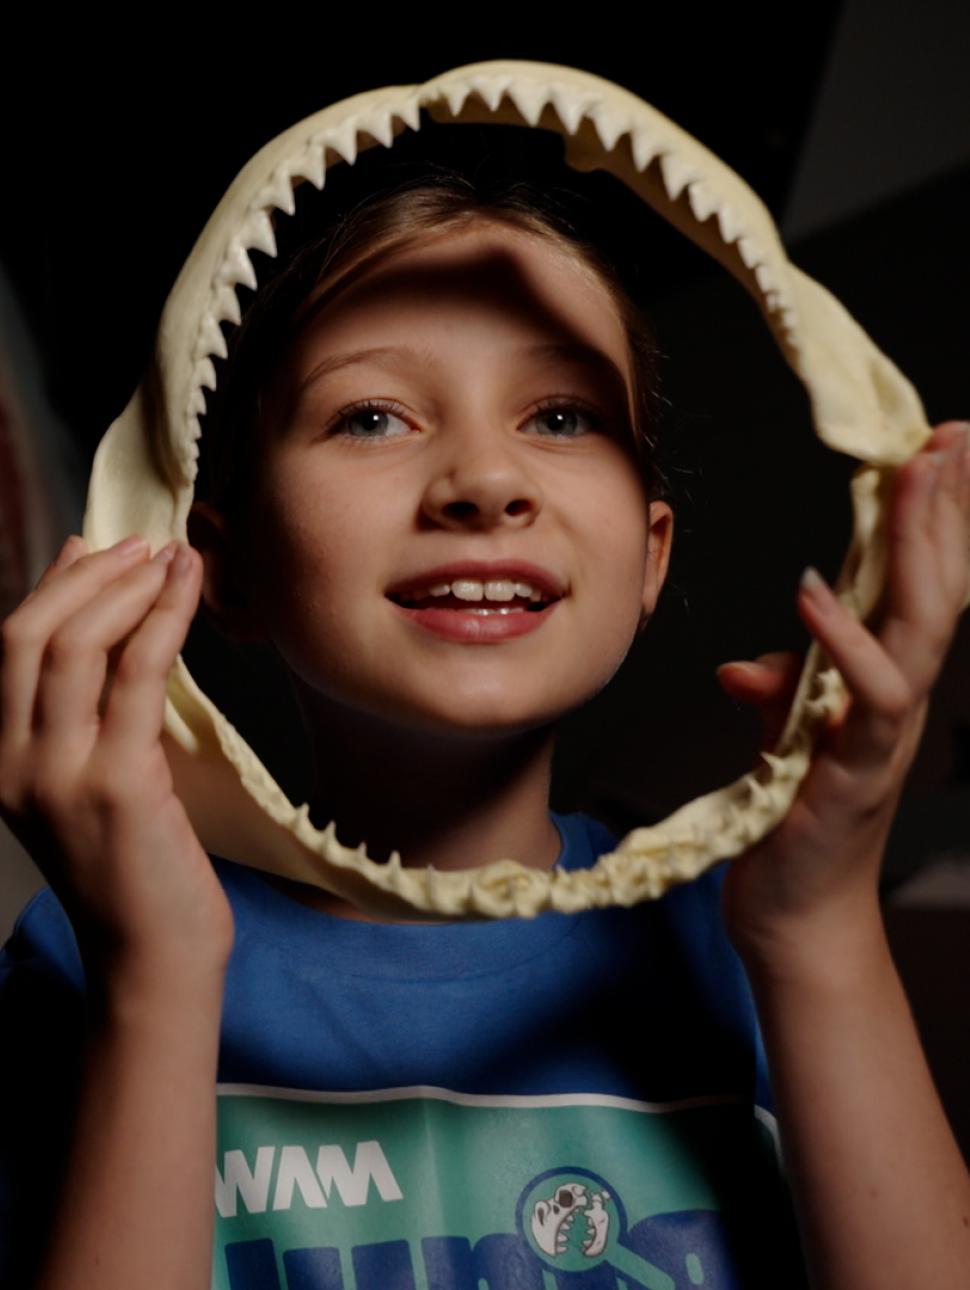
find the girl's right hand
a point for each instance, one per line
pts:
(84, 781)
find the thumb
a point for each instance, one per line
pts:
(769, 683)
(762, 679)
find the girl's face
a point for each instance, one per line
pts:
(501, 432)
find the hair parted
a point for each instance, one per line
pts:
(434, 198)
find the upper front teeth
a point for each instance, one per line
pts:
(469, 589)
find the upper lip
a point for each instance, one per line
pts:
(482, 571)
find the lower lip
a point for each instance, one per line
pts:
(462, 625)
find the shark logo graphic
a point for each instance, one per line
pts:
(553, 1218)
(574, 1221)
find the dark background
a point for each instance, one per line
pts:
(852, 122)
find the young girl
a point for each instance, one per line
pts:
(445, 407)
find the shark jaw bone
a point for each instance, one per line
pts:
(145, 466)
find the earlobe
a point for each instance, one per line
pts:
(660, 542)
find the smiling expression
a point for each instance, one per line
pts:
(464, 399)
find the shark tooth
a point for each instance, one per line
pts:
(277, 193)
(260, 233)
(730, 223)
(645, 147)
(702, 200)
(211, 340)
(490, 89)
(607, 125)
(759, 794)
(749, 252)
(530, 101)
(379, 125)
(409, 112)
(765, 277)
(205, 373)
(225, 304)
(455, 94)
(676, 173)
(236, 268)
(311, 165)
(569, 109)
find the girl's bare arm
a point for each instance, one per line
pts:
(135, 1206)
(881, 1190)
(86, 786)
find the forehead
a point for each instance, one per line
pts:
(488, 273)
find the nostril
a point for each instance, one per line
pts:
(460, 510)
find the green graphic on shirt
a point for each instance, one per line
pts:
(414, 1187)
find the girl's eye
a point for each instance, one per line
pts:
(373, 417)
(373, 421)
(565, 419)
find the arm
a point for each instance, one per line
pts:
(136, 1197)
(881, 1193)
(86, 787)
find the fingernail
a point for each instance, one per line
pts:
(129, 544)
(183, 562)
(165, 554)
(66, 550)
(748, 667)
(934, 461)
(813, 582)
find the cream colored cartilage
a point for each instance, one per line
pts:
(144, 471)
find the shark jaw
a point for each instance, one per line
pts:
(145, 467)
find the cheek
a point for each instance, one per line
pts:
(624, 529)
(320, 537)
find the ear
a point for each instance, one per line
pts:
(224, 593)
(659, 543)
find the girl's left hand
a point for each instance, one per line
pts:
(815, 877)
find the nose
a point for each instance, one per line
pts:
(479, 482)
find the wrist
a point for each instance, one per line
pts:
(843, 948)
(132, 986)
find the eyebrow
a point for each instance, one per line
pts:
(390, 356)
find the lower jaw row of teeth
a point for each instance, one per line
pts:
(517, 609)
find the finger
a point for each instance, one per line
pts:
(764, 676)
(74, 547)
(27, 631)
(770, 683)
(880, 695)
(950, 520)
(71, 550)
(75, 663)
(136, 706)
(927, 567)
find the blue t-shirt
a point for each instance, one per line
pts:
(567, 1101)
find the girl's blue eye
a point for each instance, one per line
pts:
(373, 414)
(564, 416)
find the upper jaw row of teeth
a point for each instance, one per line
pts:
(471, 589)
(647, 141)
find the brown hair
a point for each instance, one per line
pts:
(436, 198)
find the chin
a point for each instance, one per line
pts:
(480, 719)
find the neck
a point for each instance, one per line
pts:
(455, 801)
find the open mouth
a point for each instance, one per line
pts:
(517, 605)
